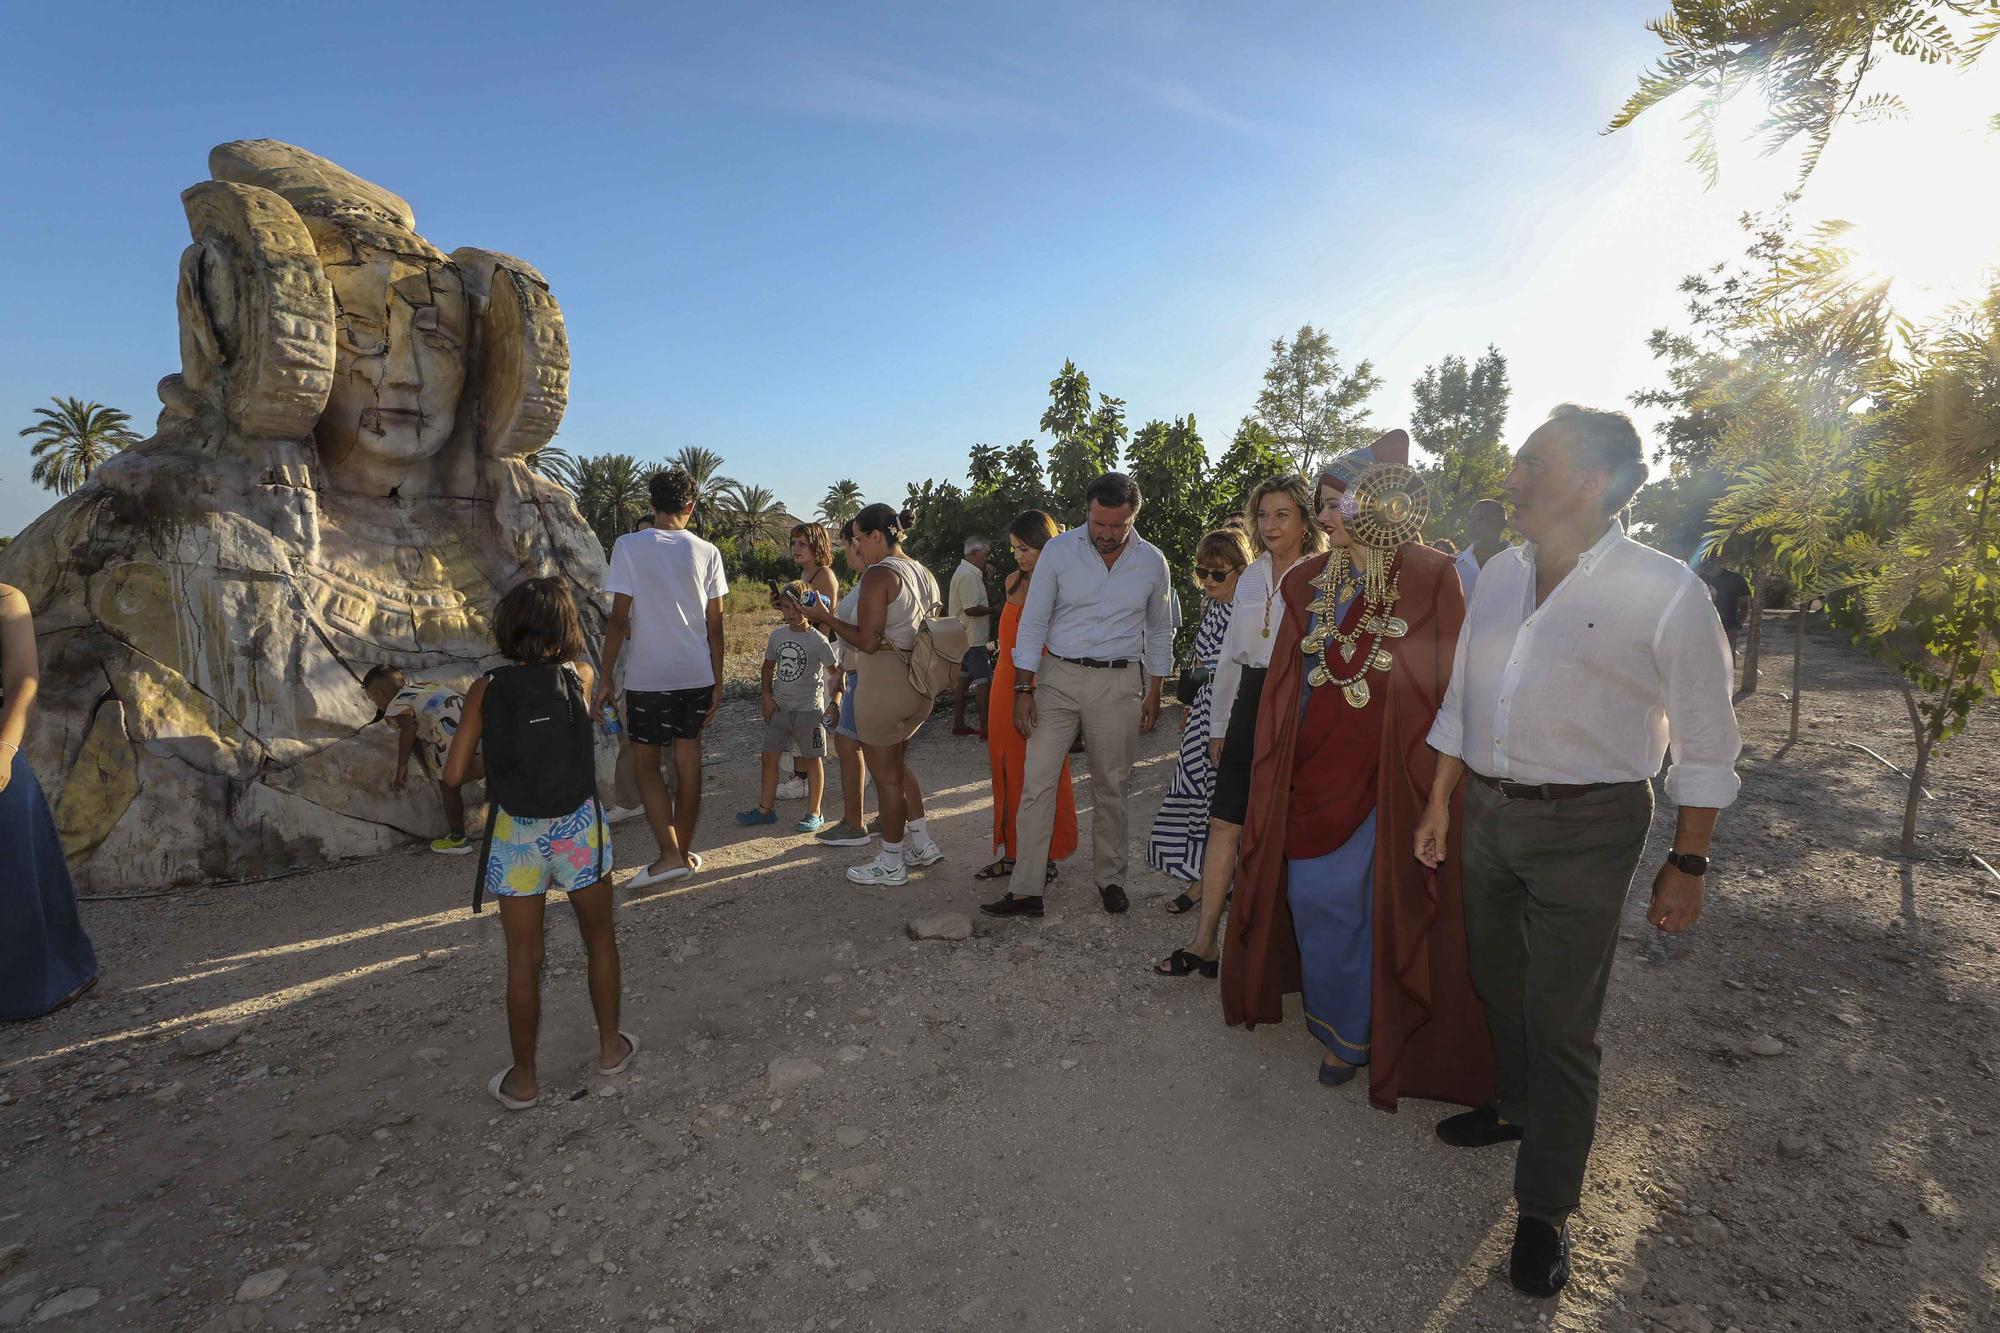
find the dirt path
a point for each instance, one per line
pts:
(1020, 1131)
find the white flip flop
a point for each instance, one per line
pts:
(648, 877)
(694, 862)
(510, 1103)
(619, 1068)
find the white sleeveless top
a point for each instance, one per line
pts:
(916, 596)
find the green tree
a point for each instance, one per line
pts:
(1085, 439)
(749, 514)
(1170, 463)
(1458, 419)
(610, 492)
(72, 439)
(1253, 457)
(556, 464)
(1932, 607)
(705, 466)
(1313, 408)
(841, 502)
(1806, 60)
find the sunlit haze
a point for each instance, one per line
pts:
(828, 244)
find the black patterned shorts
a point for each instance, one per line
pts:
(660, 717)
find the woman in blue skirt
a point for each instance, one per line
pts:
(45, 958)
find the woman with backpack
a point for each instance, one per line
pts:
(896, 594)
(544, 826)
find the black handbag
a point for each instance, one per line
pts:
(1189, 682)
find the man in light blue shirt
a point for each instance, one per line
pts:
(1100, 605)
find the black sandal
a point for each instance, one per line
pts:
(1000, 869)
(1180, 903)
(1184, 964)
(1049, 873)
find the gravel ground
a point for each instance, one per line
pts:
(832, 1126)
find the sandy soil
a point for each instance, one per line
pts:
(834, 1127)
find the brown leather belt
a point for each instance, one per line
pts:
(1545, 791)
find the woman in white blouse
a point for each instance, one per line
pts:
(1282, 532)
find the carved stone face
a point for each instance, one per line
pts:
(399, 356)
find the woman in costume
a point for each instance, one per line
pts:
(1179, 838)
(45, 958)
(1330, 900)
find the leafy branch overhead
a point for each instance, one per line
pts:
(1807, 60)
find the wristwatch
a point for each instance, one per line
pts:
(1688, 863)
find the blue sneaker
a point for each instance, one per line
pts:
(757, 816)
(811, 824)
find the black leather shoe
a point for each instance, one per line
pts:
(1114, 898)
(1014, 905)
(1540, 1263)
(1477, 1128)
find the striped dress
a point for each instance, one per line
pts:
(1180, 830)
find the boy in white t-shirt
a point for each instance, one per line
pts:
(667, 587)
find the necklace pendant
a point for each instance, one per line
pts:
(1314, 641)
(1356, 692)
(1266, 632)
(1347, 652)
(1380, 659)
(1395, 627)
(1318, 676)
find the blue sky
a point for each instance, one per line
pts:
(844, 240)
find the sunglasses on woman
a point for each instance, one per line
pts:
(1207, 575)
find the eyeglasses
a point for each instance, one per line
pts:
(1207, 575)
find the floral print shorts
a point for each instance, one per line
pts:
(531, 856)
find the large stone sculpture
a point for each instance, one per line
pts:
(337, 480)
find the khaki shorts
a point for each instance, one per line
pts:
(796, 730)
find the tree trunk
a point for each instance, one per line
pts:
(1798, 662)
(1915, 798)
(1754, 636)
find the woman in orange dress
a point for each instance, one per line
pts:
(1007, 747)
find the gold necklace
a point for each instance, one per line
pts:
(1277, 581)
(1378, 589)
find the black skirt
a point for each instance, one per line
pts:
(1239, 746)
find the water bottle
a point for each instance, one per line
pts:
(610, 716)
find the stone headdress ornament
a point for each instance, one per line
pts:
(1383, 502)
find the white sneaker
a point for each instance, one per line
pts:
(619, 814)
(874, 872)
(918, 854)
(792, 788)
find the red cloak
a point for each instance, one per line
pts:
(1429, 1033)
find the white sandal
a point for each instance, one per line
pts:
(619, 1068)
(510, 1103)
(648, 877)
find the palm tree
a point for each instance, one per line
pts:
(842, 502)
(557, 464)
(72, 439)
(705, 466)
(610, 492)
(751, 514)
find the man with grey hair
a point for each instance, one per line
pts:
(969, 602)
(1582, 657)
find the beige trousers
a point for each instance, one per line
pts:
(1104, 703)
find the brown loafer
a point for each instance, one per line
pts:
(1114, 898)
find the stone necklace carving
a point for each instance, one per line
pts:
(1378, 590)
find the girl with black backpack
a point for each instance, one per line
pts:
(544, 825)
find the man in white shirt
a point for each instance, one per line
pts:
(1098, 603)
(969, 602)
(1483, 526)
(1583, 656)
(666, 587)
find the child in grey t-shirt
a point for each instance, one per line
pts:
(798, 662)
